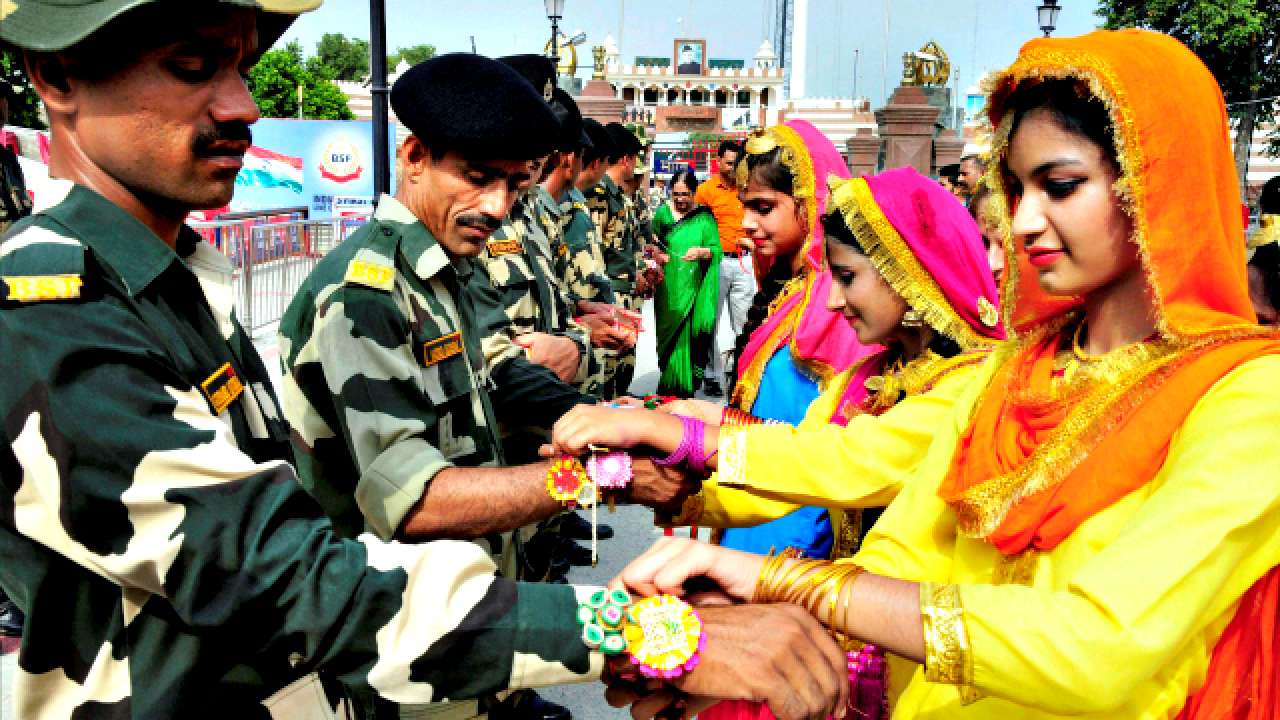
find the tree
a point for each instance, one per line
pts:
(1239, 40)
(275, 79)
(347, 59)
(24, 108)
(412, 55)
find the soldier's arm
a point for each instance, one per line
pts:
(519, 389)
(116, 462)
(391, 425)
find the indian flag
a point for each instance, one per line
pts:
(267, 169)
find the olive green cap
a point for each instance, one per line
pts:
(50, 25)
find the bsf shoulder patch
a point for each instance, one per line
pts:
(222, 388)
(37, 288)
(442, 348)
(376, 276)
(498, 248)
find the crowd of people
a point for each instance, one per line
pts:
(1000, 444)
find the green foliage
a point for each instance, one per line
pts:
(412, 55)
(347, 59)
(275, 79)
(24, 108)
(1223, 33)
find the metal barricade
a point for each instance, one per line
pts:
(270, 261)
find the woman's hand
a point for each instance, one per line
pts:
(708, 412)
(671, 562)
(614, 428)
(696, 253)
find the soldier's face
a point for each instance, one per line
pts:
(461, 201)
(168, 131)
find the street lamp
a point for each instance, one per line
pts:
(1048, 14)
(555, 11)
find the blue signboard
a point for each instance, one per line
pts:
(307, 163)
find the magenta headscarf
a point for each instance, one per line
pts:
(927, 247)
(822, 342)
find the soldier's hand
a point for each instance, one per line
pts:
(777, 653)
(642, 284)
(605, 333)
(662, 488)
(555, 352)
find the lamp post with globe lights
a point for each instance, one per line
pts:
(555, 11)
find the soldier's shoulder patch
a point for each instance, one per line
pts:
(498, 248)
(442, 348)
(562, 249)
(39, 288)
(379, 276)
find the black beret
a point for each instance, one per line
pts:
(625, 142)
(475, 105)
(600, 139)
(573, 136)
(537, 69)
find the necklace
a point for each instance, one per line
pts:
(1079, 351)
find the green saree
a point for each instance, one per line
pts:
(685, 303)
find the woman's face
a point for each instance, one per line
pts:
(990, 228)
(1065, 211)
(862, 296)
(682, 197)
(771, 221)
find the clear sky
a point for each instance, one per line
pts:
(978, 35)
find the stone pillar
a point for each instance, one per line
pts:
(600, 101)
(906, 126)
(864, 151)
(947, 149)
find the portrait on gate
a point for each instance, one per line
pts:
(690, 57)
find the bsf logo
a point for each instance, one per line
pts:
(340, 161)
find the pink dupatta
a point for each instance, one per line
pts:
(822, 342)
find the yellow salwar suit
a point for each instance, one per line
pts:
(1093, 573)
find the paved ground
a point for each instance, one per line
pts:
(634, 528)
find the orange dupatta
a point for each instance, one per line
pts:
(1031, 467)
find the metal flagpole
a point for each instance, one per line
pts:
(379, 92)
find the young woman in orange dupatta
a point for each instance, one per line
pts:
(1097, 530)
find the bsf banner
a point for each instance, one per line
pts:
(307, 163)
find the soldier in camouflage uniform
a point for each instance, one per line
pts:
(614, 218)
(150, 523)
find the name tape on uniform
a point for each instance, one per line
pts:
(378, 277)
(34, 288)
(442, 348)
(503, 247)
(222, 388)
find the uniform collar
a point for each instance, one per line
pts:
(117, 238)
(610, 187)
(425, 254)
(573, 194)
(548, 203)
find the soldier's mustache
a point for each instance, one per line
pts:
(479, 221)
(229, 138)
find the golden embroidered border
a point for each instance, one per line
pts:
(896, 263)
(1095, 412)
(947, 657)
(731, 468)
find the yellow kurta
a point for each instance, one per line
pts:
(767, 471)
(1119, 620)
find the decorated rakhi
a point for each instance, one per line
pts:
(602, 617)
(568, 484)
(664, 636)
(653, 402)
(611, 470)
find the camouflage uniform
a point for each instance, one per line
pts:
(613, 214)
(581, 266)
(147, 502)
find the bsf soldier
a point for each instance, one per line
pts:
(579, 262)
(151, 527)
(150, 524)
(614, 218)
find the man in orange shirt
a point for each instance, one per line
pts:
(737, 282)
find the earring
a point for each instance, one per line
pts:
(912, 319)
